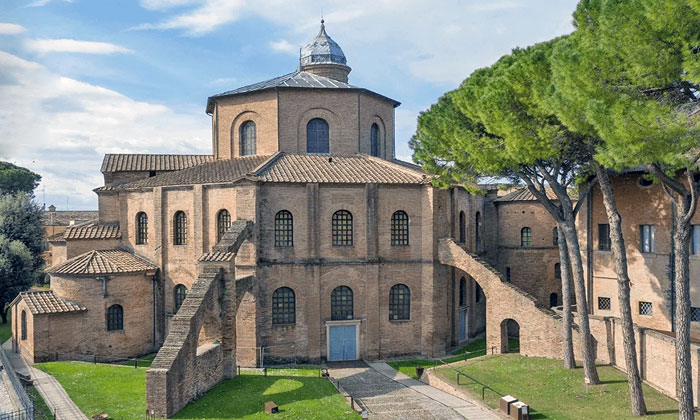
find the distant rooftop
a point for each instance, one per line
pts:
(133, 162)
(66, 217)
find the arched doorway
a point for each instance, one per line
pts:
(510, 336)
(470, 302)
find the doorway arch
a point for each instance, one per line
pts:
(510, 336)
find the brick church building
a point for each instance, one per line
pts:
(300, 238)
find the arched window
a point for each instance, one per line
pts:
(341, 303)
(180, 293)
(399, 228)
(526, 236)
(462, 228)
(341, 229)
(115, 318)
(555, 236)
(284, 229)
(223, 223)
(477, 292)
(180, 236)
(248, 138)
(317, 136)
(477, 227)
(557, 271)
(374, 140)
(553, 300)
(283, 306)
(141, 228)
(462, 291)
(399, 303)
(24, 325)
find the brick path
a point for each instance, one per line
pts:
(51, 391)
(389, 395)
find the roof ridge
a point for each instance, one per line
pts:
(397, 166)
(274, 158)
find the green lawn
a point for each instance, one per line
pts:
(143, 361)
(557, 393)
(6, 329)
(244, 397)
(474, 349)
(41, 410)
(120, 391)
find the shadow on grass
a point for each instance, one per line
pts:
(245, 396)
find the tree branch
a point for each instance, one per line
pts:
(672, 183)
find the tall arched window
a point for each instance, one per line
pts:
(557, 271)
(399, 303)
(477, 228)
(317, 136)
(24, 325)
(115, 318)
(284, 229)
(248, 138)
(283, 306)
(462, 291)
(180, 293)
(341, 303)
(477, 292)
(555, 236)
(180, 224)
(341, 228)
(223, 223)
(399, 228)
(141, 228)
(374, 140)
(462, 228)
(526, 236)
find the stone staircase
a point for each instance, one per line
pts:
(540, 328)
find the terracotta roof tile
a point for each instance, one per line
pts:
(64, 218)
(128, 162)
(354, 169)
(523, 194)
(109, 261)
(207, 173)
(93, 231)
(47, 302)
(284, 167)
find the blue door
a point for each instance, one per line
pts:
(343, 344)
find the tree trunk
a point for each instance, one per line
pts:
(623, 293)
(569, 226)
(684, 376)
(565, 265)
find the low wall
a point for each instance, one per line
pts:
(656, 354)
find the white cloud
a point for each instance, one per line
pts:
(209, 15)
(44, 46)
(61, 127)
(284, 46)
(11, 29)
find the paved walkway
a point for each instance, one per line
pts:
(53, 393)
(391, 395)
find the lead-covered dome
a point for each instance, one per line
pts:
(324, 57)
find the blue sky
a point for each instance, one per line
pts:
(81, 78)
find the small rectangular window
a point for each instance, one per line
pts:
(603, 303)
(646, 238)
(696, 239)
(695, 314)
(604, 237)
(645, 308)
(507, 274)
